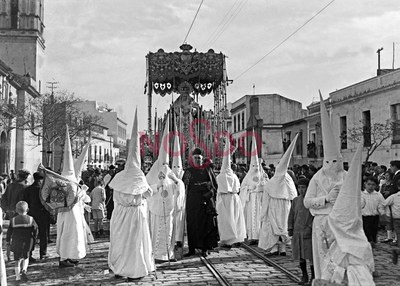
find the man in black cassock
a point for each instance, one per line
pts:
(201, 216)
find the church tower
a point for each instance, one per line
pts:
(21, 37)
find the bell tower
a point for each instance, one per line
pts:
(21, 37)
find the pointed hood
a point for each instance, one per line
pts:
(68, 161)
(283, 165)
(254, 176)
(80, 162)
(177, 166)
(281, 185)
(163, 158)
(254, 162)
(226, 159)
(345, 219)
(227, 180)
(131, 180)
(331, 150)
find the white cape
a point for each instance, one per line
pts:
(130, 253)
(231, 223)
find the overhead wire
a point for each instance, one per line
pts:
(191, 25)
(220, 24)
(284, 40)
(233, 16)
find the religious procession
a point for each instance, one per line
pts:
(222, 180)
(330, 220)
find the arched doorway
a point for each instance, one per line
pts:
(3, 153)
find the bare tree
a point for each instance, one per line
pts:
(46, 117)
(373, 135)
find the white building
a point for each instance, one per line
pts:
(375, 100)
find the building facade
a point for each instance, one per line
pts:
(265, 114)
(363, 105)
(22, 52)
(18, 147)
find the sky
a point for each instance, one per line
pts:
(97, 48)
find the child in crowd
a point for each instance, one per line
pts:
(372, 206)
(300, 223)
(22, 233)
(386, 191)
(393, 202)
(98, 197)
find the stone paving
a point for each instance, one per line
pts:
(238, 265)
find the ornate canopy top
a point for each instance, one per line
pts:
(185, 71)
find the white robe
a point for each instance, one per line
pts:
(274, 224)
(161, 218)
(278, 193)
(319, 187)
(251, 194)
(130, 253)
(231, 225)
(71, 234)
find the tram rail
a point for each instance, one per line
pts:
(220, 278)
(290, 275)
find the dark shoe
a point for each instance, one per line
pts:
(226, 246)
(253, 242)
(75, 262)
(304, 278)
(237, 244)
(282, 254)
(204, 253)
(133, 279)
(387, 240)
(65, 264)
(32, 260)
(395, 256)
(23, 276)
(44, 256)
(393, 243)
(272, 254)
(116, 276)
(190, 253)
(179, 244)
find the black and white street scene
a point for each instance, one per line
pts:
(227, 142)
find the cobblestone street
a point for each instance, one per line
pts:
(237, 265)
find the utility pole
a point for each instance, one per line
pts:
(52, 85)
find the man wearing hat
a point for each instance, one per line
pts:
(38, 211)
(15, 193)
(201, 216)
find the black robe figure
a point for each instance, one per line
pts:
(201, 216)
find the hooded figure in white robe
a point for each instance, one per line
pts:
(168, 197)
(231, 223)
(348, 257)
(251, 193)
(130, 253)
(72, 236)
(324, 188)
(177, 169)
(278, 193)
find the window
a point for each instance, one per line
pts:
(14, 14)
(395, 116)
(366, 115)
(238, 122)
(343, 132)
(242, 120)
(234, 123)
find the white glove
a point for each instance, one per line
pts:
(87, 208)
(332, 196)
(172, 177)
